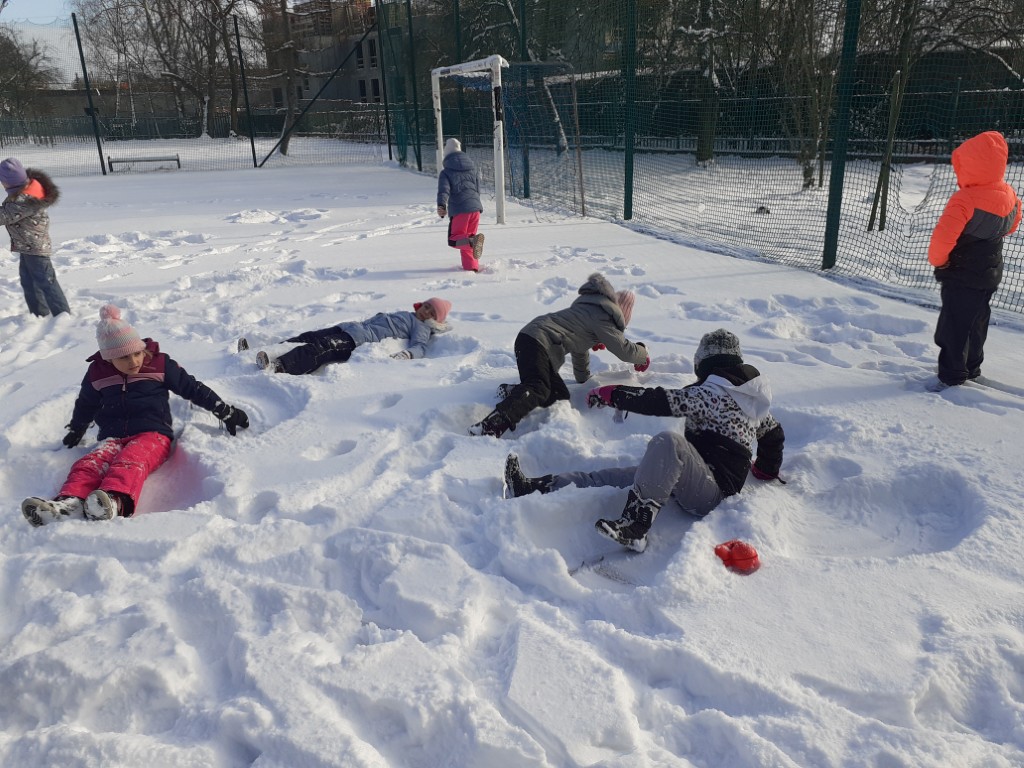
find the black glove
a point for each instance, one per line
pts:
(231, 417)
(74, 436)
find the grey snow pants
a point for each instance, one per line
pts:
(670, 469)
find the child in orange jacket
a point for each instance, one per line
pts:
(966, 250)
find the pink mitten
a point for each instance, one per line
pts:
(601, 396)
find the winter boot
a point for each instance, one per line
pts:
(263, 361)
(478, 245)
(42, 511)
(517, 484)
(631, 529)
(101, 505)
(504, 390)
(243, 344)
(495, 424)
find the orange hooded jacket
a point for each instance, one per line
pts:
(967, 243)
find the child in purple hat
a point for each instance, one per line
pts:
(30, 193)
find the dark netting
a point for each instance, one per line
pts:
(716, 123)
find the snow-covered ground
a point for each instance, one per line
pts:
(343, 585)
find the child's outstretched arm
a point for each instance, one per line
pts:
(183, 384)
(419, 337)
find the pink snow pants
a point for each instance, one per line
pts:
(460, 227)
(119, 464)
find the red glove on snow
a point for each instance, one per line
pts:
(760, 474)
(600, 396)
(641, 367)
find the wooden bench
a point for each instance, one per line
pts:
(111, 161)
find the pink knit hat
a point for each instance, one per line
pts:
(115, 337)
(440, 306)
(625, 300)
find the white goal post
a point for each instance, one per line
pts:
(491, 67)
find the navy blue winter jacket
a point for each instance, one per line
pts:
(123, 406)
(458, 188)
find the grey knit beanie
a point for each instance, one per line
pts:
(717, 349)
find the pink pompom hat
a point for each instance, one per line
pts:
(115, 336)
(441, 307)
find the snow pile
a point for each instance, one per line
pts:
(343, 585)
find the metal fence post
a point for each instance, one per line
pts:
(629, 123)
(88, 95)
(844, 87)
(415, 98)
(245, 92)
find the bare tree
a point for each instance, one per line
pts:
(804, 46)
(25, 69)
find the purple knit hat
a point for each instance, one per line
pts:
(12, 174)
(115, 337)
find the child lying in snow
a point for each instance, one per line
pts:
(336, 344)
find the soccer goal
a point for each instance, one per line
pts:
(482, 76)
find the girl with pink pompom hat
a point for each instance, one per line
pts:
(126, 392)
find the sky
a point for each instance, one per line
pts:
(36, 11)
(343, 584)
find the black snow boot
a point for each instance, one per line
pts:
(517, 484)
(630, 530)
(495, 424)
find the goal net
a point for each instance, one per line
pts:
(460, 94)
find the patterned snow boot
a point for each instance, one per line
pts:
(100, 505)
(631, 529)
(42, 511)
(504, 390)
(517, 484)
(495, 424)
(478, 245)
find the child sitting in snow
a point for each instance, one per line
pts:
(336, 344)
(595, 321)
(726, 410)
(125, 390)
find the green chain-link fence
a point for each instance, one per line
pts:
(143, 103)
(716, 121)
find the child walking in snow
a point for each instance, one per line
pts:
(125, 390)
(966, 250)
(458, 196)
(24, 213)
(596, 320)
(336, 344)
(726, 410)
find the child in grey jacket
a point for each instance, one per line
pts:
(24, 212)
(596, 320)
(336, 344)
